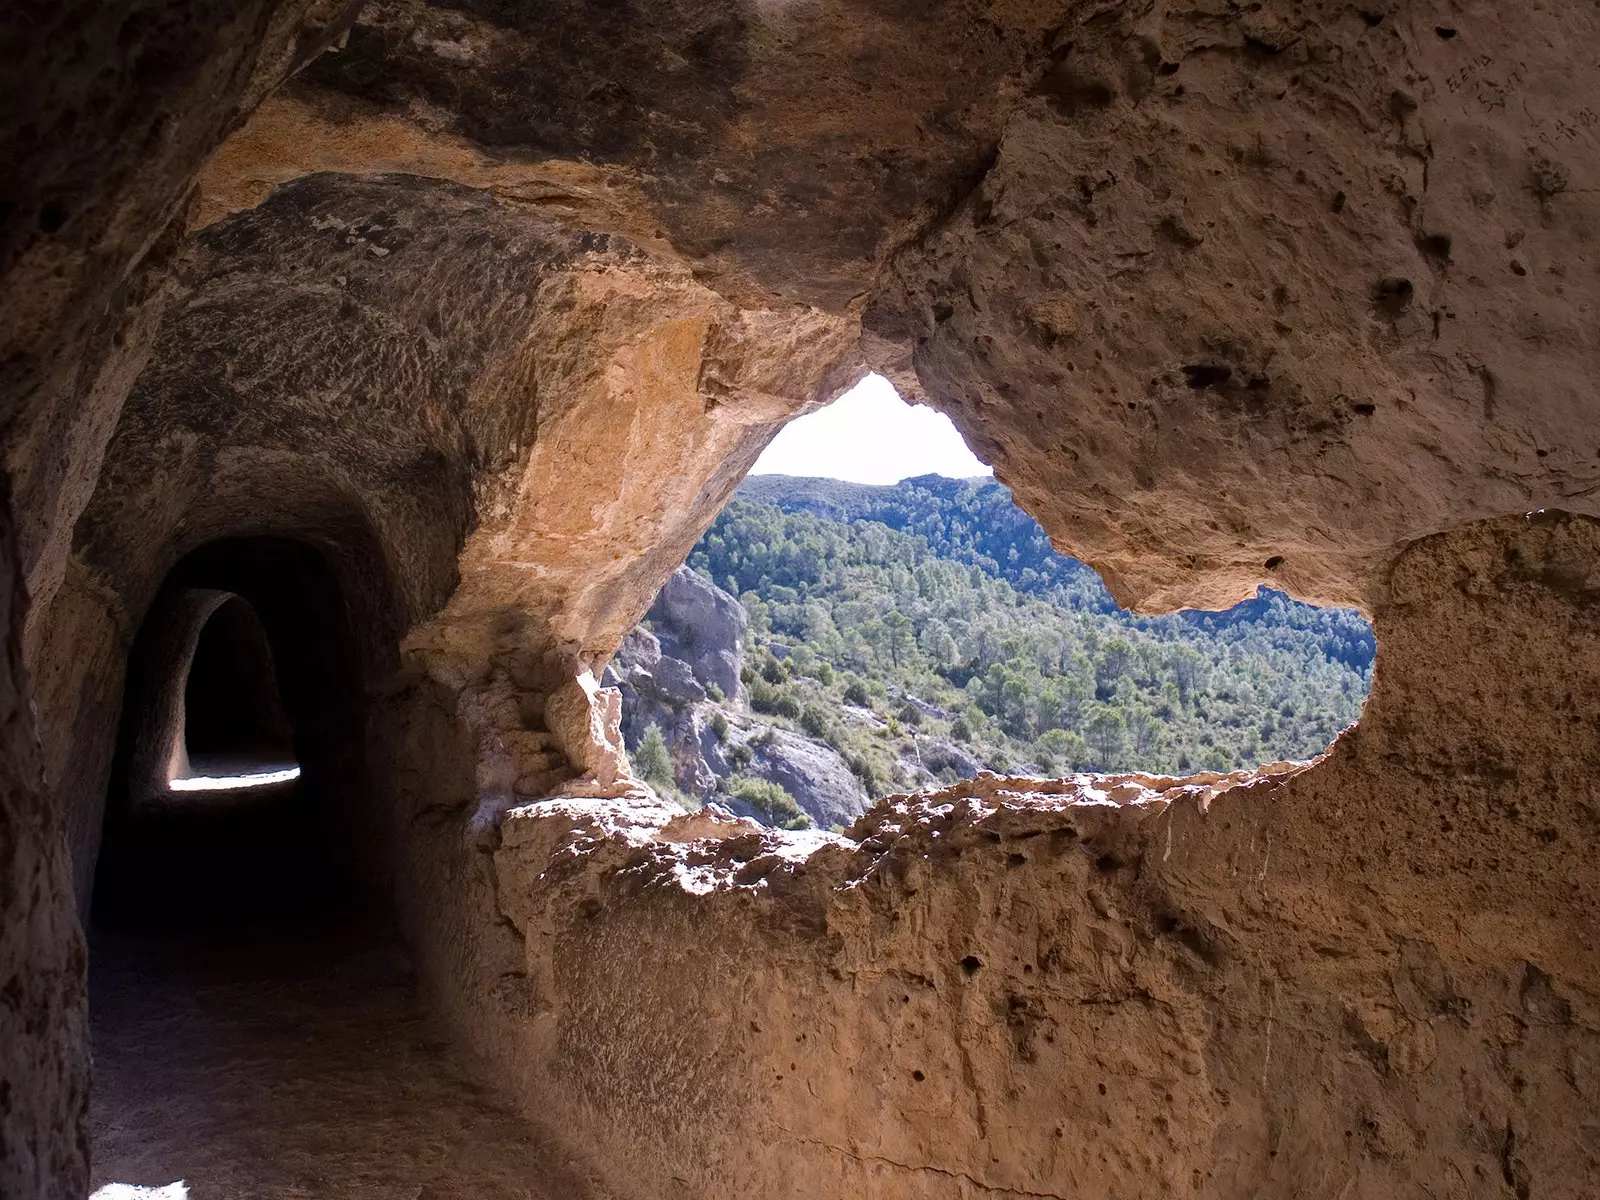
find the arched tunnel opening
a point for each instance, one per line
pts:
(240, 750)
(254, 1015)
(235, 733)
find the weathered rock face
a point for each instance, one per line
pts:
(406, 361)
(1257, 295)
(110, 111)
(480, 320)
(1270, 985)
(784, 149)
(813, 773)
(710, 736)
(43, 1031)
(107, 112)
(704, 626)
(941, 754)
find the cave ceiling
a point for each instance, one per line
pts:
(1227, 296)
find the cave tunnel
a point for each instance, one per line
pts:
(235, 733)
(245, 671)
(254, 1016)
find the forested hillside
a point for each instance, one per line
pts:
(931, 625)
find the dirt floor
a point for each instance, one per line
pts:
(279, 1054)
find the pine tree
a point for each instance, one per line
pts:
(651, 759)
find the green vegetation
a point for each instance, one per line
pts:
(651, 759)
(893, 622)
(769, 799)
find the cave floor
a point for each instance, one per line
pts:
(287, 1054)
(292, 1063)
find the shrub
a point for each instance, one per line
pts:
(651, 758)
(855, 692)
(716, 693)
(719, 727)
(776, 806)
(776, 703)
(910, 714)
(960, 730)
(1061, 746)
(862, 770)
(814, 720)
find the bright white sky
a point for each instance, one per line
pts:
(870, 435)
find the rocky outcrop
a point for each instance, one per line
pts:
(812, 772)
(939, 755)
(682, 675)
(703, 626)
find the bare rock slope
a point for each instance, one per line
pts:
(698, 703)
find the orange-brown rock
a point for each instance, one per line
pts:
(1369, 976)
(1258, 295)
(448, 354)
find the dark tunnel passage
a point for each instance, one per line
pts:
(247, 664)
(254, 1017)
(234, 726)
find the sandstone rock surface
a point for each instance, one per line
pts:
(1249, 984)
(1258, 294)
(461, 339)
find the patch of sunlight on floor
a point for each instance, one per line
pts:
(229, 783)
(128, 1191)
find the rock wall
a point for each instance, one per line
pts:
(488, 309)
(110, 112)
(407, 361)
(107, 112)
(43, 1034)
(1366, 977)
(1257, 294)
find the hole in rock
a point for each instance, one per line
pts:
(871, 613)
(253, 1018)
(234, 733)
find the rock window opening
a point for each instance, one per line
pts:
(872, 613)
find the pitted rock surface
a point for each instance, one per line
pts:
(488, 308)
